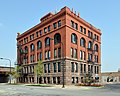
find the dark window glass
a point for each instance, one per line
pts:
(47, 42)
(84, 68)
(90, 45)
(81, 29)
(36, 34)
(81, 55)
(74, 38)
(48, 67)
(40, 32)
(76, 26)
(54, 25)
(45, 69)
(76, 65)
(55, 53)
(96, 47)
(54, 65)
(40, 56)
(89, 57)
(82, 42)
(59, 52)
(72, 23)
(45, 30)
(59, 23)
(39, 45)
(49, 28)
(72, 67)
(57, 38)
(72, 51)
(32, 47)
(26, 49)
(59, 67)
(81, 68)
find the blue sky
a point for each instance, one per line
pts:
(20, 15)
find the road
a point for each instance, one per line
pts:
(22, 90)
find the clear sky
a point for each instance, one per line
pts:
(20, 15)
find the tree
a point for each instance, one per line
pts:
(38, 70)
(16, 73)
(88, 79)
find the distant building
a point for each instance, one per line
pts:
(68, 46)
(111, 77)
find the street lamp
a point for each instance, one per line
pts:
(63, 86)
(10, 66)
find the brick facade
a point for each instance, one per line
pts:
(63, 36)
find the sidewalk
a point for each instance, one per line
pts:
(73, 87)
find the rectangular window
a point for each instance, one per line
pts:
(76, 26)
(81, 29)
(97, 38)
(49, 28)
(54, 25)
(84, 55)
(48, 67)
(49, 54)
(89, 57)
(54, 65)
(95, 69)
(72, 24)
(40, 32)
(89, 68)
(81, 68)
(59, 67)
(36, 34)
(46, 55)
(59, 23)
(45, 69)
(45, 30)
(32, 37)
(59, 52)
(55, 53)
(84, 31)
(72, 67)
(81, 55)
(84, 68)
(89, 33)
(72, 52)
(75, 53)
(76, 67)
(40, 56)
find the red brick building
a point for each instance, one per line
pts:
(60, 39)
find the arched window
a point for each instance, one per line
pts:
(26, 49)
(32, 47)
(82, 42)
(74, 38)
(39, 45)
(90, 45)
(96, 47)
(47, 41)
(57, 38)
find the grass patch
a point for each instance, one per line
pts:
(39, 85)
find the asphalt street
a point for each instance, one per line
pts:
(22, 90)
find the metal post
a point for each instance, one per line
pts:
(10, 66)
